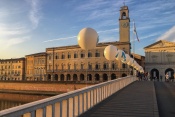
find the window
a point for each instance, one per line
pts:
(113, 66)
(123, 65)
(62, 66)
(97, 66)
(75, 55)
(82, 55)
(82, 65)
(50, 56)
(56, 56)
(97, 54)
(69, 55)
(89, 54)
(89, 66)
(123, 15)
(56, 66)
(75, 66)
(105, 66)
(63, 56)
(68, 66)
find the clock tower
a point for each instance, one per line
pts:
(124, 24)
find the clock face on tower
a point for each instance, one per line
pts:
(125, 24)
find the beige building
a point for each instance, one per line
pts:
(160, 58)
(12, 69)
(139, 59)
(36, 66)
(71, 63)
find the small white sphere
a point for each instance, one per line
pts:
(120, 55)
(127, 59)
(131, 60)
(87, 38)
(110, 52)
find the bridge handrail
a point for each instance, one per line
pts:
(83, 97)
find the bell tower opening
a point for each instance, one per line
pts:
(124, 24)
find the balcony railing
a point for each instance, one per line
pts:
(89, 70)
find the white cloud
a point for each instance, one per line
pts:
(6, 43)
(65, 38)
(169, 35)
(34, 14)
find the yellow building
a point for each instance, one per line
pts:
(12, 69)
(160, 59)
(71, 63)
(36, 66)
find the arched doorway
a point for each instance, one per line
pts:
(49, 77)
(113, 76)
(89, 77)
(75, 77)
(170, 72)
(62, 77)
(105, 77)
(81, 77)
(124, 75)
(56, 77)
(154, 73)
(97, 77)
(68, 77)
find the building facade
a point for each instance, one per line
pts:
(36, 66)
(71, 63)
(160, 59)
(12, 69)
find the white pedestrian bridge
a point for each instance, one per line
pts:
(71, 104)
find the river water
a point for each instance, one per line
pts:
(8, 100)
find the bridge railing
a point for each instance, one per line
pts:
(69, 104)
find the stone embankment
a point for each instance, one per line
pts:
(47, 88)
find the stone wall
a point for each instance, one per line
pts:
(41, 87)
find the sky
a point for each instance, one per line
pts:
(31, 26)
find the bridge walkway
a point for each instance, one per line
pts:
(136, 100)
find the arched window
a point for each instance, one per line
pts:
(123, 15)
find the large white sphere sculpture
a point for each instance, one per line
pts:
(110, 52)
(120, 55)
(127, 59)
(87, 38)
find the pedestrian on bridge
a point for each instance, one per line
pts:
(167, 77)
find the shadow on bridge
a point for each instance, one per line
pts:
(136, 100)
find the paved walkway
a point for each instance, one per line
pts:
(165, 92)
(136, 100)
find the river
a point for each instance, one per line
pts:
(8, 100)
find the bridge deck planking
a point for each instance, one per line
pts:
(136, 100)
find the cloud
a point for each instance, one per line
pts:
(65, 38)
(169, 35)
(4, 43)
(34, 14)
